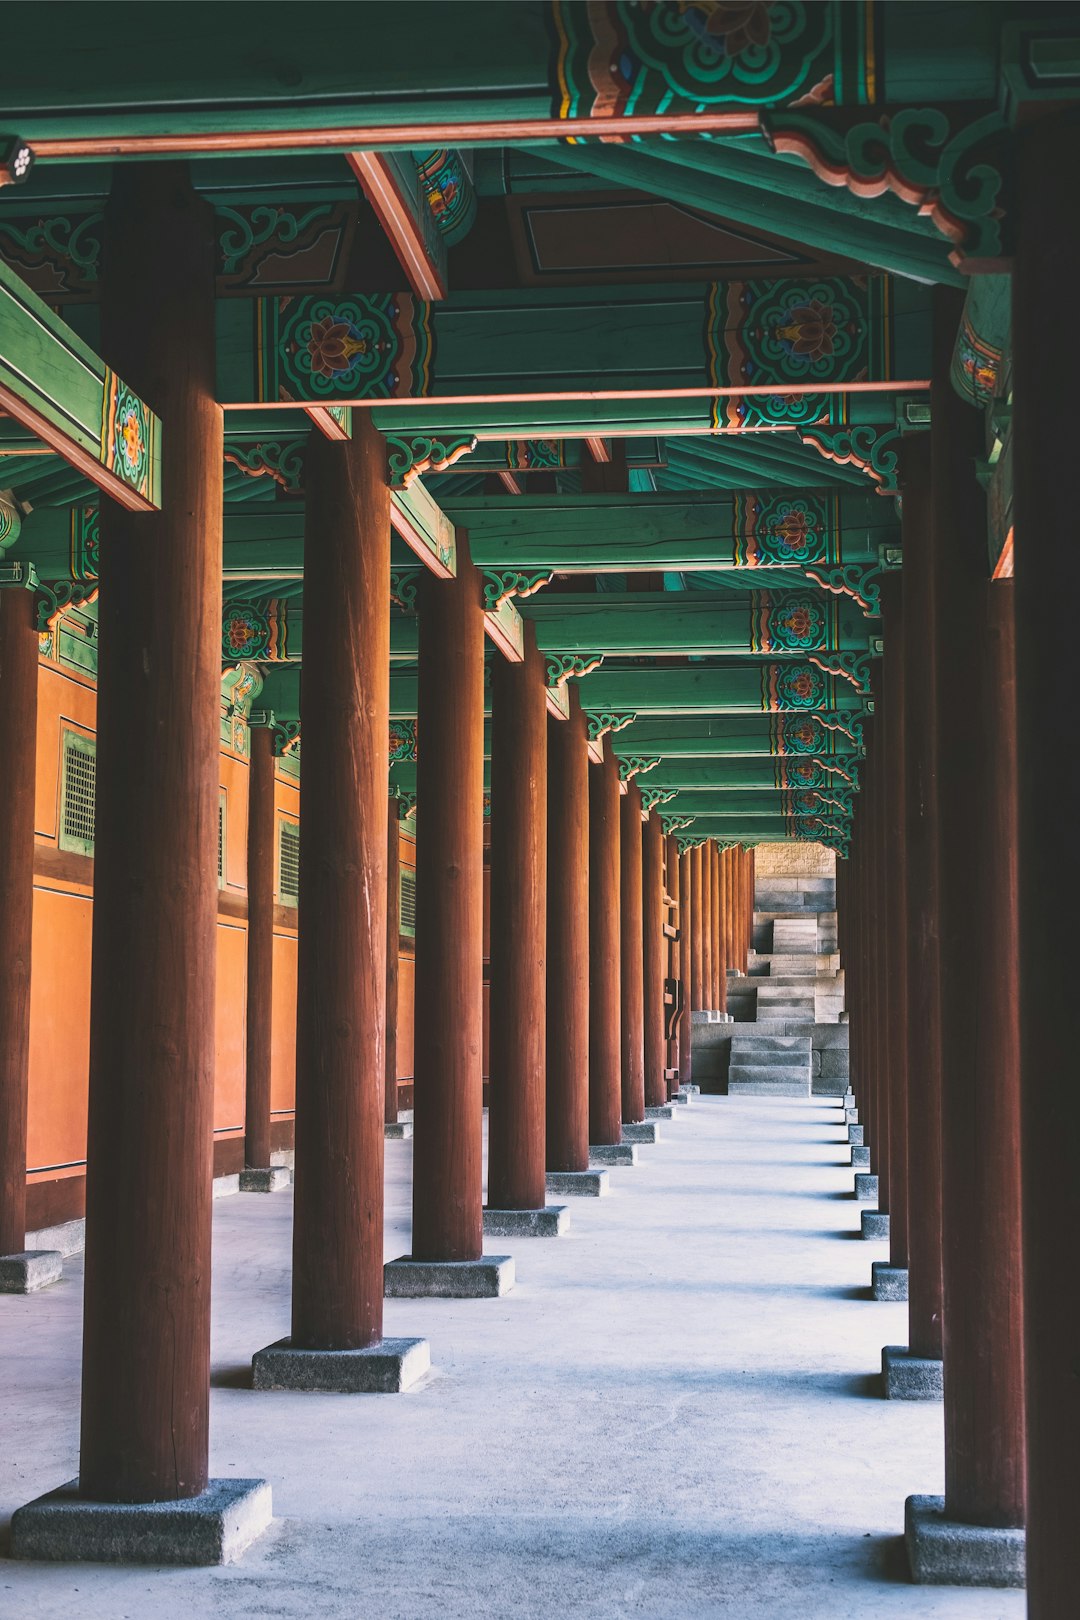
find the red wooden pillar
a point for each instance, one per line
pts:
(697, 947)
(448, 1106)
(727, 935)
(921, 916)
(983, 1364)
(393, 962)
(678, 883)
(18, 705)
(518, 952)
(708, 923)
(341, 956)
(605, 1010)
(1045, 357)
(891, 1282)
(686, 964)
(260, 949)
(882, 861)
(719, 979)
(633, 990)
(654, 959)
(568, 941)
(146, 1369)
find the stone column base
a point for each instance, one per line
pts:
(943, 1552)
(273, 1179)
(31, 1269)
(860, 1158)
(906, 1377)
(400, 1131)
(643, 1131)
(855, 1135)
(551, 1221)
(875, 1224)
(888, 1282)
(384, 1368)
(579, 1183)
(621, 1153)
(851, 1115)
(661, 1111)
(866, 1189)
(486, 1278)
(211, 1528)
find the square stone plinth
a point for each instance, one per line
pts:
(400, 1131)
(860, 1158)
(888, 1282)
(855, 1135)
(551, 1221)
(906, 1377)
(579, 1183)
(661, 1111)
(645, 1130)
(620, 1153)
(274, 1179)
(851, 1115)
(384, 1368)
(866, 1189)
(31, 1269)
(486, 1278)
(943, 1552)
(875, 1224)
(211, 1528)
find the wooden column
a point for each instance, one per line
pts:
(719, 964)
(518, 949)
(568, 941)
(18, 706)
(448, 1104)
(708, 923)
(605, 944)
(983, 1365)
(146, 1369)
(1046, 353)
(633, 990)
(686, 963)
(393, 960)
(654, 959)
(260, 949)
(697, 947)
(922, 903)
(895, 915)
(680, 958)
(341, 954)
(727, 889)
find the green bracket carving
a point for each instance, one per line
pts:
(281, 460)
(652, 796)
(10, 520)
(406, 802)
(852, 580)
(947, 166)
(600, 724)
(847, 721)
(499, 587)
(874, 450)
(402, 740)
(403, 584)
(286, 737)
(409, 457)
(560, 667)
(691, 843)
(635, 765)
(853, 667)
(674, 824)
(55, 595)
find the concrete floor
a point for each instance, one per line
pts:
(673, 1416)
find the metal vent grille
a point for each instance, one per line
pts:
(289, 863)
(77, 797)
(407, 886)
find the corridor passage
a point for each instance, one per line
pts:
(674, 1415)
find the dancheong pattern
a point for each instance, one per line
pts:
(794, 686)
(85, 564)
(777, 530)
(628, 57)
(255, 630)
(789, 621)
(825, 329)
(128, 435)
(328, 350)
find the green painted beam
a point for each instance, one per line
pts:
(652, 623)
(791, 737)
(60, 391)
(768, 688)
(741, 776)
(724, 806)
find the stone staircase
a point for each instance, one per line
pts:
(770, 1066)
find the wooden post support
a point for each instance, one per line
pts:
(605, 1011)
(976, 732)
(18, 704)
(921, 912)
(518, 948)
(686, 964)
(727, 923)
(260, 949)
(448, 1103)
(393, 958)
(631, 974)
(654, 959)
(719, 964)
(146, 1369)
(894, 917)
(697, 947)
(568, 941)
(679, 1045)
(1044, 455)
(709, 943)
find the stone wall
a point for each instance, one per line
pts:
(829, 1052)
(794, 860)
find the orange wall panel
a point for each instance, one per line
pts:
(59, 1028)
(283, 1056)
(230, 1027)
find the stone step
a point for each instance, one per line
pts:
(795, 934)
(744, 1046)
(766, 1082)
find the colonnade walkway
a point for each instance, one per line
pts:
(673, 1415)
